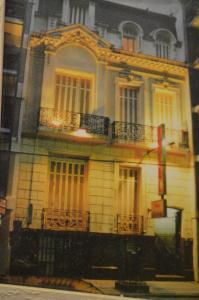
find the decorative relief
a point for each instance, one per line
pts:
(76, 34)
(129, 224)
(61, 220)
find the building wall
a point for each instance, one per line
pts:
(32, 185)
(88, 55)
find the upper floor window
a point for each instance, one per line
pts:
(163, 44)
(78, 11)
(166, 108)
(128, 104)
(130, 37)
(72, 93)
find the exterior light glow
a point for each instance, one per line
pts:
(81, 132)
(57, 123)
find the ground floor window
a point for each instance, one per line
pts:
(67, 184)
(128, 219)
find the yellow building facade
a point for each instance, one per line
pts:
(85, 171)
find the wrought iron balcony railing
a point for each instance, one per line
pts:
(53, 219)
(65, 121)
(63, 220)
(136, 133)
(129, 224)
(122, 131)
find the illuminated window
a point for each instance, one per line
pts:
(166, 109)
(128, 104)
(67, 185)
(127, 198)
(13, 34)
(78, 11)
(130, 37)
(72, 94)
(163, 44)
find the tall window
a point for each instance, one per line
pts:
(130, 37)
(67, 185)
(127, 204)
(72, 94)
(163, 44)
(166, 109)
(128, 104)
(78, 11)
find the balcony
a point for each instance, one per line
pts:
(129, 224)
(64, 220)
(123, 132)
(53, 219)
(71, 122)
(130, 133)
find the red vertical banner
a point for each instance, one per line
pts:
(161, 160)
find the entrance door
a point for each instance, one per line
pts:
(167, 242)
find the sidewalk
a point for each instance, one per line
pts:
(156, 289)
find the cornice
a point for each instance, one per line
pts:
(103, 50)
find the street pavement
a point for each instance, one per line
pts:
(163, 290)
(15, 292)
(157, 289)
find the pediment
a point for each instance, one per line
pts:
(73, 34)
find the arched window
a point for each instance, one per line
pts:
(130, 37)
(163, 44)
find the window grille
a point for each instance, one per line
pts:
(67, 185)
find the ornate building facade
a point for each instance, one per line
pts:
(98, 79)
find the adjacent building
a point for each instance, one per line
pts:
(96, 79)
(191, 9)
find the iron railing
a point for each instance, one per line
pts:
(55, 219)
(136, 133)
(64, 121)
(129, 224)
(122, 131)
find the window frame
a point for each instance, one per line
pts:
(68, 160)
(78, 12)
(91, 77)
(138, 207)
(161, 44)
(134, 84)
(135, 38)
(175, 92)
